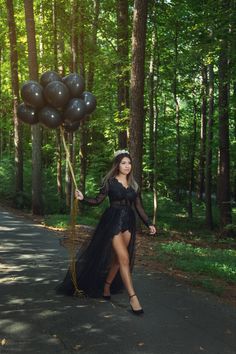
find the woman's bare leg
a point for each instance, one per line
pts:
(115, 265)
(111, 275)
(120, 248)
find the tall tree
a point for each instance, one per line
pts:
(137, 86)
(154, 83)
(233, 75)
(60, 13)
(37, 203)
(177, 111)
(224, 156)
(209, 142)
(85, 132)
(203, 133)
(15, 92)
(74, 36)
(83, 127)
(55, 34)
(71, 136)
(122, 69)
(192, 144)
(58, 136)
(93, 49)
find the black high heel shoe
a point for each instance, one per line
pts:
(107, 297)
(136, 312)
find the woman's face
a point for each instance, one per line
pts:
(125, 166)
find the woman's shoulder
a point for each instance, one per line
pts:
(107, 183)
(111, 180)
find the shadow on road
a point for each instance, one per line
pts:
(33, 319)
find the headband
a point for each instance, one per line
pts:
(119, 152)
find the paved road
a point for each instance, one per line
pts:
(33, 319)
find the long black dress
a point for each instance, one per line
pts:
(93, 261)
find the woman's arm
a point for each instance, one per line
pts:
(92, 201)
(143, 216)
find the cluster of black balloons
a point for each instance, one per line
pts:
(56, 101)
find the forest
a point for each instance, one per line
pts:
(164, 76)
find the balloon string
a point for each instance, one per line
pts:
(68, 157)
(72, 265)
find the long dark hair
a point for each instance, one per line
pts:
(115, 170)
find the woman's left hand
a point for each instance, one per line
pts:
(152, 230)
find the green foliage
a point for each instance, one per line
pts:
(197, 26)
(6, 177)
(219, 263)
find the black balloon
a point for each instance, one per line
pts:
(50, 117)
(32, 94)
(75, 110)
(27, 114)
(75, 84)
(57, 94)
(49, 76)
(71, 126)
(90, 101)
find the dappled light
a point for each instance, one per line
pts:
(127, 106)
(33, 263)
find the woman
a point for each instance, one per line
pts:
(105, 265)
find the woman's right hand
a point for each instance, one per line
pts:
(79, 195)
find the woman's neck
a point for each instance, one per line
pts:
(122, 177)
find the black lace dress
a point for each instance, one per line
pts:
(94, 260)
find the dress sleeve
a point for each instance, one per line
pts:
(99, 197)
(139, 208)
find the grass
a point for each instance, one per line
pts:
(209, 285)
(215, 263)
(63, 221)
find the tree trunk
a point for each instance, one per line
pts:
(84, 125)
(74, 37)
(85, 133)
(208, 180)
(59, 171)
(234, 163)
(91, 66)
(224, 157)
(58, 137)
(71, 136)
(233, 75)
(15, 92)
(37, 204)
(155, 137)
(153, 120)
(68, 178)
(60, 38)
(177, 116)
(137, 86)
(55, 34)
(203, 134)
(152, 152)
(122, 70)
(192, 160)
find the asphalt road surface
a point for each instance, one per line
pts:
(34, 319)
